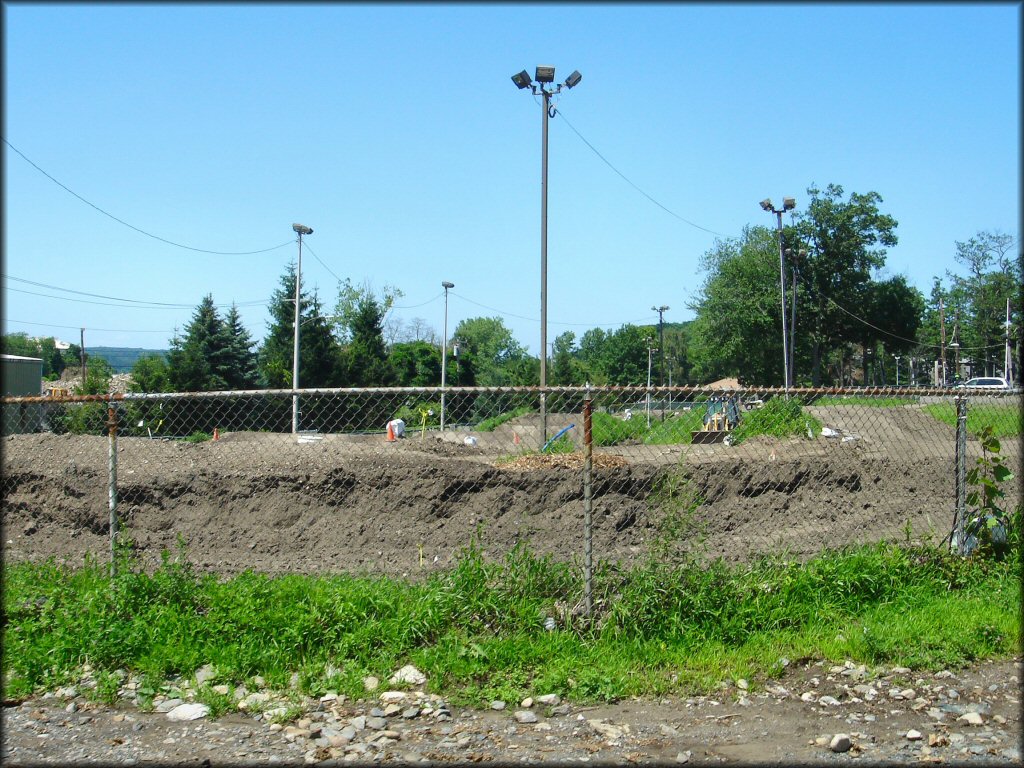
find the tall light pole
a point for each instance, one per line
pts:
(301, 230)
(650, 354)
(801, 254)
(661, 342)
(444, 347)
(543, 75)
(897, 369)
(1007, 357)
(788, 204)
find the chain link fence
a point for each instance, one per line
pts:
(369, 482)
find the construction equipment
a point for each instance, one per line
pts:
(721, 417)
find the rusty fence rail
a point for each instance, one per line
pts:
(371, 482)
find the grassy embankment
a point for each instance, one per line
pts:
(478, 630)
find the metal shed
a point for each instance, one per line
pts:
(21, 377)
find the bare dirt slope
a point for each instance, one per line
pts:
(358, 503)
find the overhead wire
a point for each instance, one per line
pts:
(132, 226)
(323, 264)
(669, 211)
(78, 327)
(151, 304)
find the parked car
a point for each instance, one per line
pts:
(985, 382)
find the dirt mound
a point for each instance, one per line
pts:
(358, 503)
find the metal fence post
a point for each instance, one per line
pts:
(112, 486)
(957, 538)
(588, 504)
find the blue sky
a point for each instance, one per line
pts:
(396, 133)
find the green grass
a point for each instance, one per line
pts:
(778, 417)
(1005, 418)
(874, 402)
(489, 425)
(478, 632)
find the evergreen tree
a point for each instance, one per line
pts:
(239, 358)
(319, 356)
(196, 361)
(368, 358)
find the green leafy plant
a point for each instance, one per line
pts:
(988, 521)
(489, 425)
(780, 418)
(198, 437)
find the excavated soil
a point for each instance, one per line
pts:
(342, 503)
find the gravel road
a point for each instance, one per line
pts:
(813, 713)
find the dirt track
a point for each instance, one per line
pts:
(358, 503)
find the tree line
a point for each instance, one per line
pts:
(848, 320)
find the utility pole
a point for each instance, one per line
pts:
(1007, 357)
(650, 355)
(661, 342)
(788, 204)
(544, 75)
(942, 342)
(300, 230)
(82, 356)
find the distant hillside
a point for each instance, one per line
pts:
(122, 359)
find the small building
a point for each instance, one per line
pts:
(21, 377)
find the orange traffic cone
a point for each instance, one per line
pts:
(216, 434)
(391, 433)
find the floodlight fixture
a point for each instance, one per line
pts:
(302, 229)
(544, 74)
(522, 80)
(574, 79)
(788, 203)
(446, 284)
(767, 204)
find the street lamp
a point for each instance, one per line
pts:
(801, 255)
(444, 347)
(301, 230)
(788, 204)
(955, 346)
(543, 75)
(661, 341)
(650, 353)
(897, 370)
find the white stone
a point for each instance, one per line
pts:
(204, 673)
(914, 735)
(840, 743)
(971, 718)
(188, 712)
(525, 716)
(609, 731)
(370, 683)
(254, 700)
(393, 697)
(549, 699)
(408, 674)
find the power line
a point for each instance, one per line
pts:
(903, 338)
(78, 327)
(535, 320)
(322, 264)
(146, 304)
(132, 226)
(628, 181)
